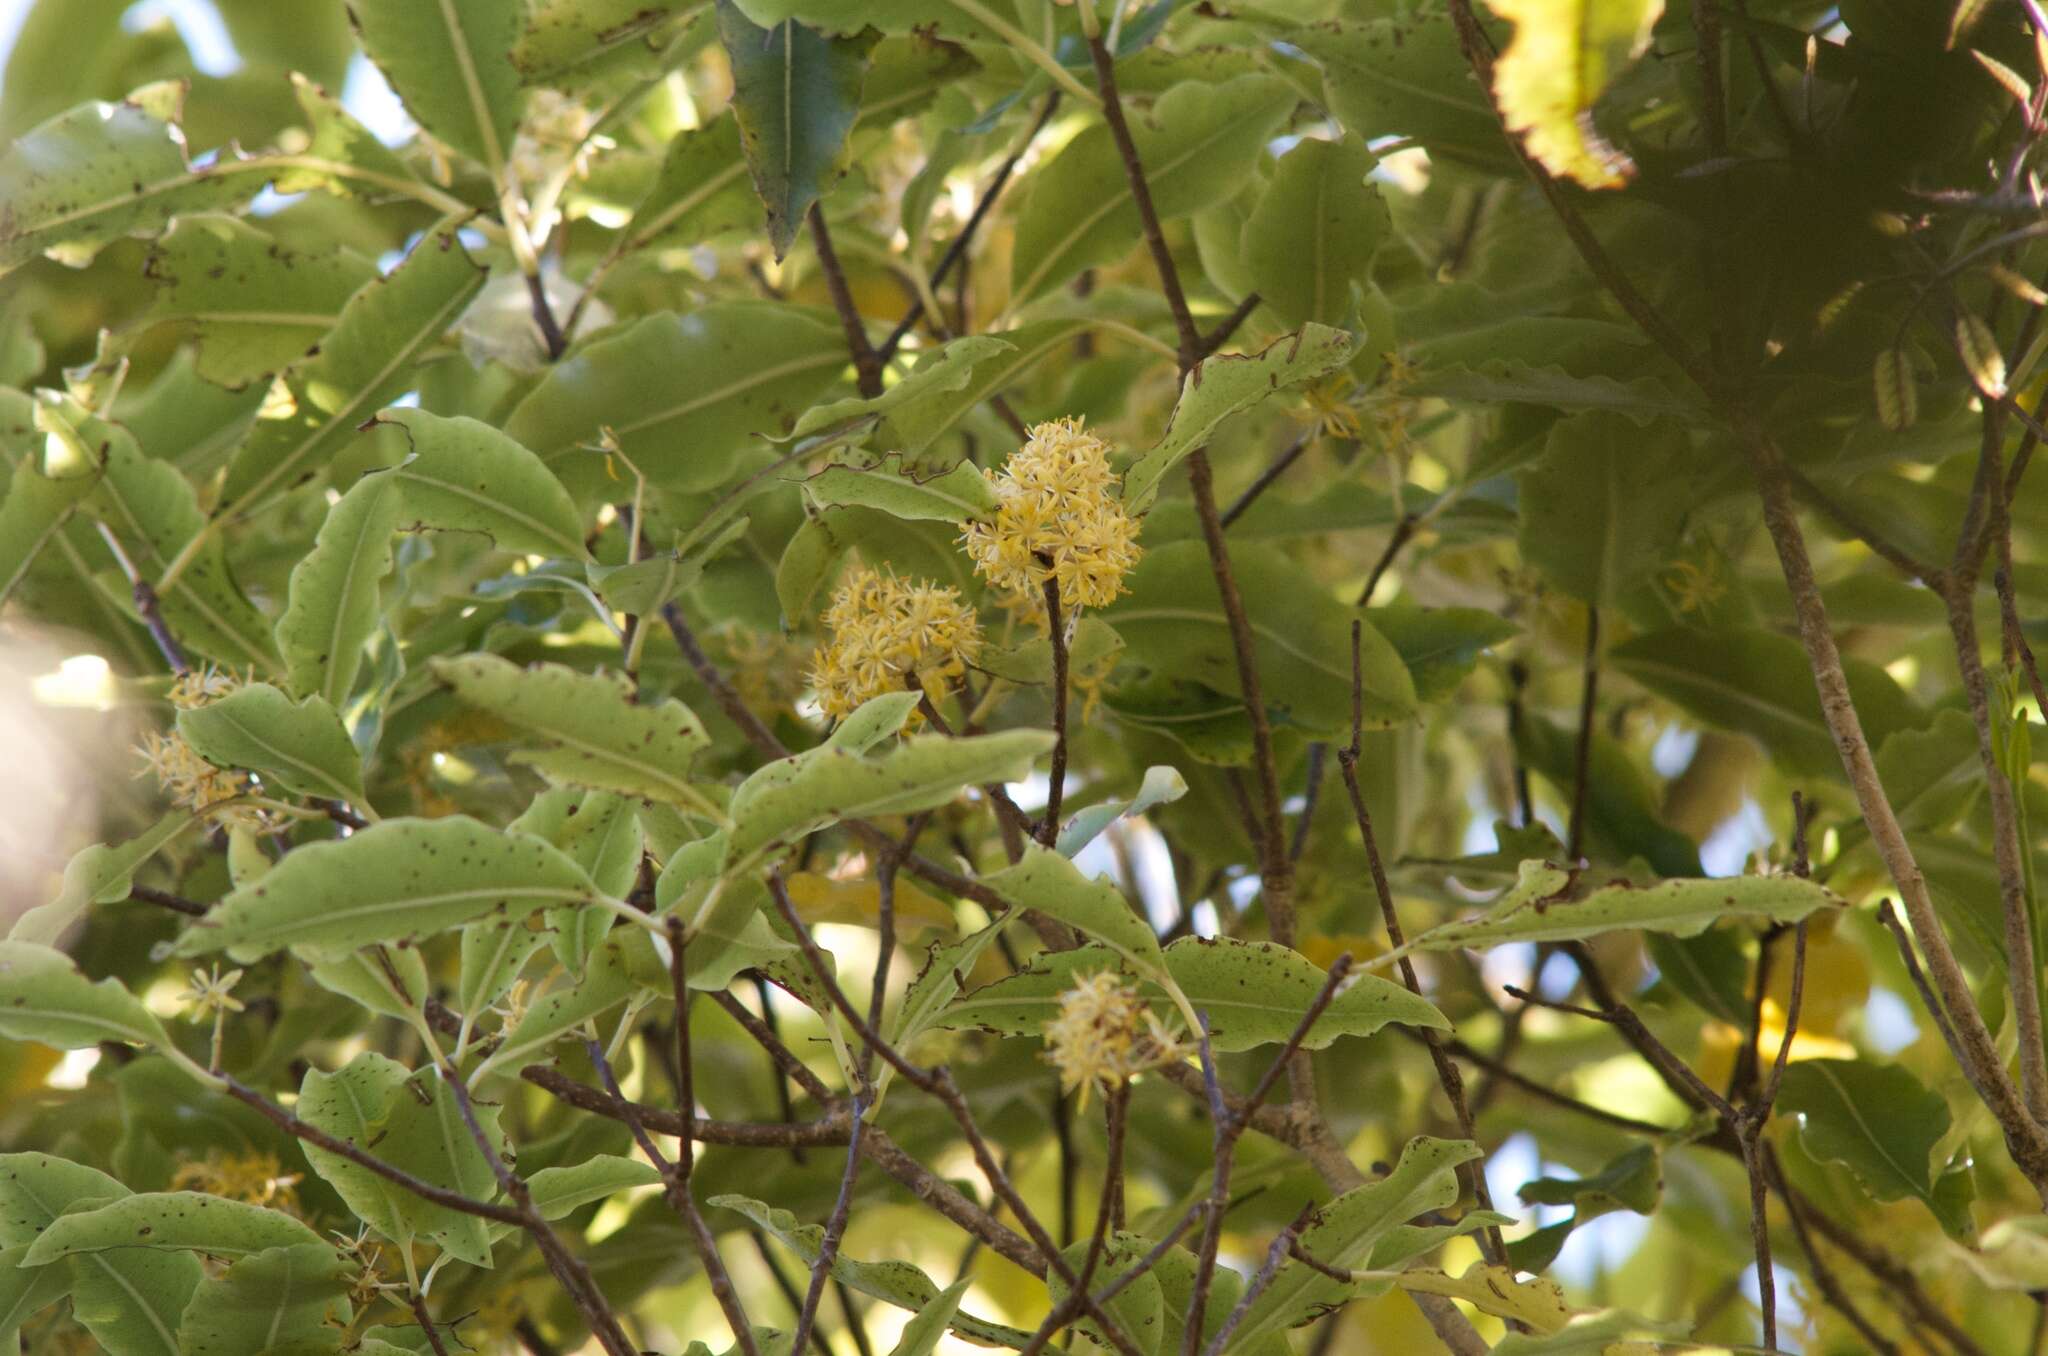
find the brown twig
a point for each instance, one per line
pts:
(1049, 824)
(2024, 1136)
(867, 364)
(1447, 1074)
(163, 899)
(957, 248)
(1266, 478)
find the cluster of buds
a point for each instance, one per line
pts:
(1058, 517)
(190, 782)
(554, 135)
(889, 635)
(1105, 1034)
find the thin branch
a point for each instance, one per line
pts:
(1266, 478)
(957, 249)
(2024, 1136)
(1056, 632)
(544, 317)
(867, 364)
(1277, 1252)
(1148, 216)
(163, 899)
(722, 691)
(426, 1322)
(1448, 1076)
(835, 1230)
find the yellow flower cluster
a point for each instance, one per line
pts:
(254, 1177)
(1104, 1035)
(888, 635)
(188, 780)
(1057, 516)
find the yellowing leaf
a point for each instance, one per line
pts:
(821, 899)
(1563, 55)
(1494, 1290)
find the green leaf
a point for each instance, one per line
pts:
(299, 745)
(1605, 506)
(1563, 54)
(1050, 883)
(1757, 683)
(897, 1283)
(412, 1122)
(921, 1334)
(558, 1191)
(1346, 1229)
(1253, 993)
(700, 191)
(35, 511)
(251, 303)
(399, 879)
(1634, 1181)
(285, 1299)
(43, 997)
(130, 1300)
(1225, 385)
(1877, 1120)
(188, 1221)
(788, 799)
(493, 952)
(332, 601)
(368, 359)
(917, 420)
(795, 94)
(873, 721)
(1594, 1334)
(1440, 645)
(390, 981)
(1173, 623)
(939, 372)
(562, 38)
(26, 1292)
(1405, 77)
(955, 496)
(1537, 909)
(1138, 1309)
(447, 60)
(101, 171)
(1311, 238)
(939, 982)
(1932, 776)
(1622, 819)
(603, 985)
(97, 875)
(682, 393)
(603, 834)
(1198, 147)
(596, 734)
(643, 587)
(1161, 786)
(461, 475)
(342, 156)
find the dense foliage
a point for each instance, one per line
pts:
(1325, 675)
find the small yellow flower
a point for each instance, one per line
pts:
(1057, 517)
(1105, 1034)
(188, 780)
(256, 1178)
(1693, 588)
(210, 993)
(888, 635)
